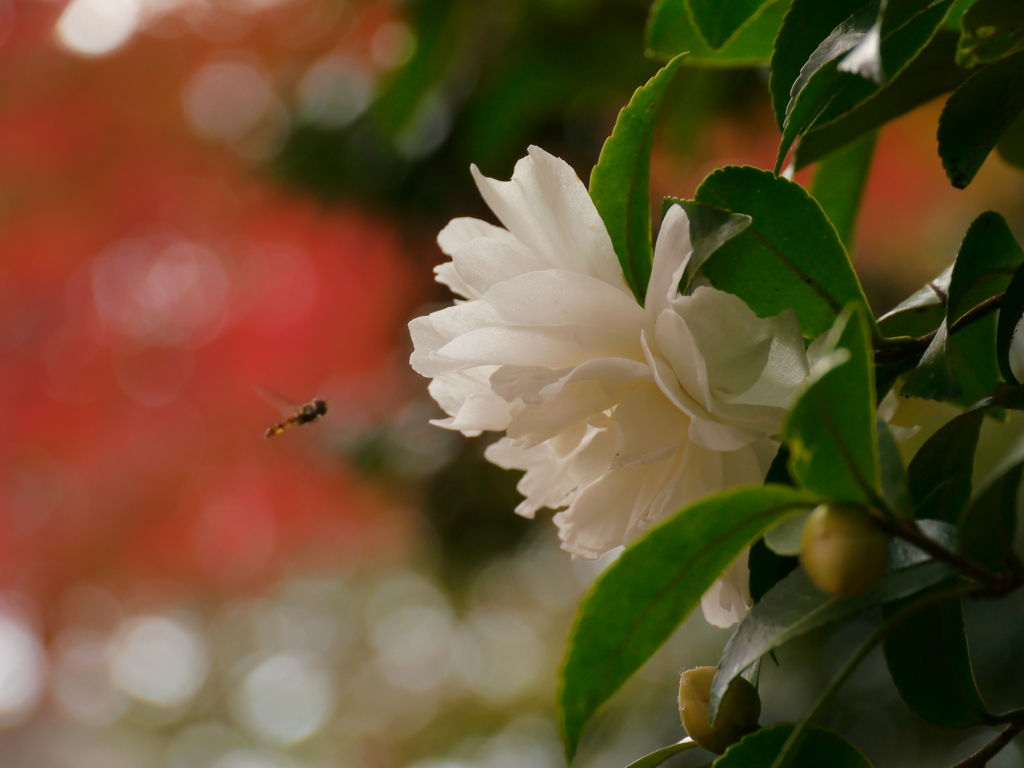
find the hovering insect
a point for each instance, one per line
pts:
(303, 414)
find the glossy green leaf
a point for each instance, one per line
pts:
(930, 664)
(920, 313)
(795, 607)
(977, 115)
(659, 756)
(940, 472)
(805, 26)
(990, 30)
(827, 92)
(834, 451)
(619, 183)
(641, 599)
(790, 257)
(821, 748)
(1010, 312)
(820, 80)
(929, 74)
(670, 31)
(710, 229)
(963, 365)
(717, 21)
(839, 183)
(1011, 144)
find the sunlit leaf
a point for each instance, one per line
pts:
(619, 183)
(717, 21)
(640, 600)
(790, 257)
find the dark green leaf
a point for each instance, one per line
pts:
(820, 80)
(963, 365)
(834, 451)
(940, 472)
(1011, 145)
(717, 21)
(930, 664)
(789, 258)
(892, 475)
(659, 756)
(931, 73)
(766, 569)
(990, 30)
(977, 115)
(795, 607)
(670, 31)
(988, 527)
(1010, 312)
(838, 186)
(830, 93)
(710, 228)
(805, 26)
(640, 600)
(822, 748)
(922, 312)
(619, 183)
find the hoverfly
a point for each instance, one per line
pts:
(303, 414)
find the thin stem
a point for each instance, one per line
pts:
(916, 346)
(996, 583)
(990, 750)
(799, 734)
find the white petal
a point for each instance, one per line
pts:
(1017, 351)
(728, 600)
(671, 254)
(446, 274)
(649, 428)
(461, 231)
(548, 209)
(484, 261)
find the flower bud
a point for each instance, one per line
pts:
(843, 552)
(737, 714)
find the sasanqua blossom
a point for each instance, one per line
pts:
(619, 414)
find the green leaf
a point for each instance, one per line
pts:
(988, 527)
(892, 475)
(670, 31)
(805, 26)
(977, 115)
(834, 451)
(990, 30)
(710, 229)
(640, 600)
(619, 183)
(659, 756)
(929, 74)
(717, 21)
(1011, 145)
(789, 258)
(963, 365)
(920, 313)
(930, 664)
(820, 79)
(822, 748)
(795, 607)
(1010, 312)
(940, 472)
(839, 183)
(829, 93)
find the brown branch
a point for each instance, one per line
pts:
(990, 750)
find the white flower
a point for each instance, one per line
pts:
(618, 414)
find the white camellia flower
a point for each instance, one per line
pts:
(618, 414)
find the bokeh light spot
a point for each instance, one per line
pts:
(159, 661)
(285, 699)
(97, 27)
(22, 669)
